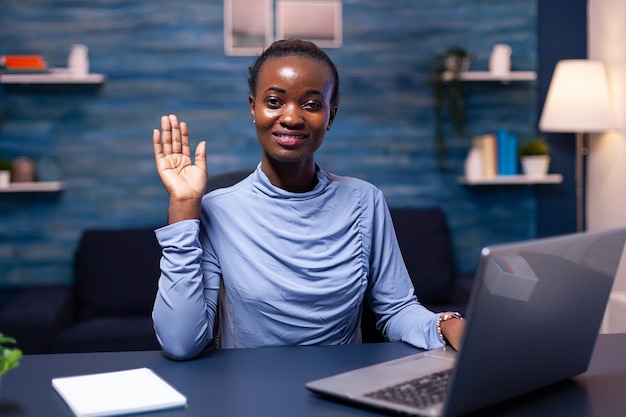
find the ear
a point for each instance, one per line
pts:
(252, 104)
(333, 113)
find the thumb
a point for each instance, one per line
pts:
(200, 156)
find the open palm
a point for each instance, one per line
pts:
(183, 180)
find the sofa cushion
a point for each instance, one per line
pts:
(426, 247)
(116, 272)
(108, 334)
(35, 316)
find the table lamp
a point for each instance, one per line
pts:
(579, 101)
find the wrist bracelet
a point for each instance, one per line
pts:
(444, 317)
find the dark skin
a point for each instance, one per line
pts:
(453, 331)
(292, 111)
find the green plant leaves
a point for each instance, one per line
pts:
(9, 357)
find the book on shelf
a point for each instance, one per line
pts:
(507, 153)
(23, 63)
(487, 146)
(493, 154)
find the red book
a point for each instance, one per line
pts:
(23, 62)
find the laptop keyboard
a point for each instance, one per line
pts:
(422, 392)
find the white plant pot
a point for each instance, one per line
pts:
(535, 166)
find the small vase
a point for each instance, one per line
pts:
(23, 170)
(535, 166)
(5, 178)
(474, 164)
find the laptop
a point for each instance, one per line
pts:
(533, 317)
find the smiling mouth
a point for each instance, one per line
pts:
(289, 140)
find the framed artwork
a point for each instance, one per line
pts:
(248, 26)
(318, 21)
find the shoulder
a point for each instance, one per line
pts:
(349, 182)
(365, 190)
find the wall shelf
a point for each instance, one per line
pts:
(59, 76)
(33, 187)
(487, 76)
(512, 180)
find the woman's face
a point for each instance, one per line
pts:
(291, 108)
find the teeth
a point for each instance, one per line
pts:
(290, 137)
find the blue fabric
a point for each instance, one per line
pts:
(287, 268)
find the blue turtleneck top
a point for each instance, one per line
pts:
(287, 269)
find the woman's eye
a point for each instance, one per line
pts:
(312, 105)
(273, 102)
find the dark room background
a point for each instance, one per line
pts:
(164, 57)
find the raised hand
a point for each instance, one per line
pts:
(184, 181)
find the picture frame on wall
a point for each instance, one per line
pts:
(248, 26)
(318, 21)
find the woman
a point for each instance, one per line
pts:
(292, 250)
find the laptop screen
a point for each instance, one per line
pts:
(534, 315)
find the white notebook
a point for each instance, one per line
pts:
(117, 393)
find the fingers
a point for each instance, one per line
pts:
(157, 146)
(184, 139)
(173, 138)
(166, 136)
(176, 134)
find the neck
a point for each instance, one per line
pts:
(293, 177)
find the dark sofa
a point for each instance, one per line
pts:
(108, 308)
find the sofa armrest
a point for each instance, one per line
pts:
(426, 245)
(36, 315)
(459, 296)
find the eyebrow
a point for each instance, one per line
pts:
(283, 91)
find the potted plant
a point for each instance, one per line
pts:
(447, 87)
(534, 157)
(9, 356)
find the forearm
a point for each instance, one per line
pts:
(393, 298)
(183, 319)
(182, 332)
(415, 325)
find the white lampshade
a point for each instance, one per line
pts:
(578, 99)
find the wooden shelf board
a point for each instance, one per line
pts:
(52, 78)
(31, 187)
(487, 76)
(512, 180)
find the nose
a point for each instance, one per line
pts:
(291, 117)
